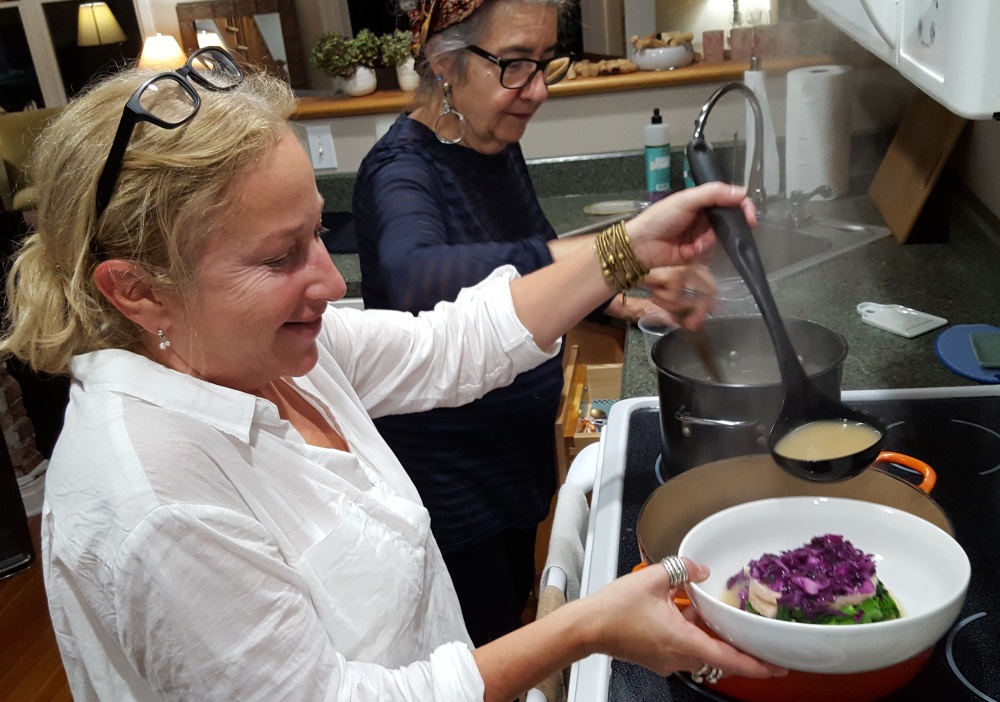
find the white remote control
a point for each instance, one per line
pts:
(900, 320)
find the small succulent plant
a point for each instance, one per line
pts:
(368, 47)
(396, 48)
(335, 55)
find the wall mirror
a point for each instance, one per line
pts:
(263, 33)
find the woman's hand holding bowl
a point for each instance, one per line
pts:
(635, 619)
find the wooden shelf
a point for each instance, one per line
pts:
(394, 101)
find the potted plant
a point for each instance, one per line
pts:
(351, 60)
(396, 52)
(334, 54)
(368, 47)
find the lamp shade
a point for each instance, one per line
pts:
(96, 25)
(161, 52)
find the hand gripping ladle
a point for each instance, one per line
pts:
(803, 402)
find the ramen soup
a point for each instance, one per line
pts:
(827, 439)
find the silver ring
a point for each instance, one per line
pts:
(676, 570)
(691, 293)
(707, 673)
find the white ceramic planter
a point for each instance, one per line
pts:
(361, 82)
(407, 77)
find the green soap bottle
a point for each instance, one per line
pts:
(657, 139)
(688, 178)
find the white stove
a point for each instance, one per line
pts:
(974, 410)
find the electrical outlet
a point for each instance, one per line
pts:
(321, 149)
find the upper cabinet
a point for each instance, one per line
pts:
(949, 50)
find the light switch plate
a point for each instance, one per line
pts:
(321, 149)
(382, 125)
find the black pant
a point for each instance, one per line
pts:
(494, 579)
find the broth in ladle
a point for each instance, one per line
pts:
(827, 440)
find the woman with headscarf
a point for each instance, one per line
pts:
(440, 201)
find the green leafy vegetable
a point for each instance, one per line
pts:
(880, 607)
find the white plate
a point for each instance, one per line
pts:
(613, 207)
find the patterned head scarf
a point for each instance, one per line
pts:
(432, 16)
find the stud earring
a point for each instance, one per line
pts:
(448, 111)
(164, 341)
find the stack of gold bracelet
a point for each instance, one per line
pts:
(622, 268)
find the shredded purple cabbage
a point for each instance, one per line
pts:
(809, 578)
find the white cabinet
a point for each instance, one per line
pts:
(947, 49)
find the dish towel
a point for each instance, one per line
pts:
(553, 688)
(566, 546)
(569, 535)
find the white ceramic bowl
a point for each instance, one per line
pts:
(663, 58)
(924, 568)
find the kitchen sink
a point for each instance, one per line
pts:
(786, 249)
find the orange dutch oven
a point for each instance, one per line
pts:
(683, 501)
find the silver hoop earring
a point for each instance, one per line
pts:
(164, 341)
(448, 111)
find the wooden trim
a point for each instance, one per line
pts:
(563, 415)
(395, 101)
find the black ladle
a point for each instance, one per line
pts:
(803, 402)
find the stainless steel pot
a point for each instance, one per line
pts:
(705, 418)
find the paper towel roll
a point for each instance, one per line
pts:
(818, 129)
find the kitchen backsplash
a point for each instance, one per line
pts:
(624, 171)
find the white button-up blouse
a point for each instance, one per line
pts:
(196, 548)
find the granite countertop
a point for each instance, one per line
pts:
(957, 280)
(350, 267)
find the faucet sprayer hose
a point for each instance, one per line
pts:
(756, 180)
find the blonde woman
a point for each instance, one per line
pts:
(221, 519)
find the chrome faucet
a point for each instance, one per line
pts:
(797, 201)
(755, 182)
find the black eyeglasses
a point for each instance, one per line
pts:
(517, 73)
(167, 100)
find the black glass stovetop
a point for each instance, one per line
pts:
(960, 439)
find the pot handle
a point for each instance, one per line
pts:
(687, 419)
(930, 477)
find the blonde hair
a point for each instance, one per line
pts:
(175, 186)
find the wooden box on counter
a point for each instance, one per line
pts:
(582, 384)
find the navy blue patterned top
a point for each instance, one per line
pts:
(431, 219)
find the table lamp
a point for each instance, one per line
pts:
(161, 52)
(96, 25)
